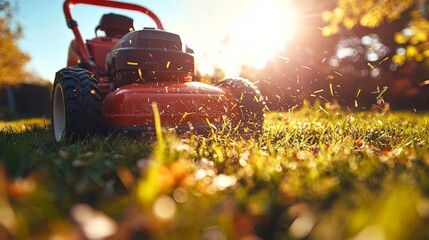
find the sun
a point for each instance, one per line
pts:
(258, 33)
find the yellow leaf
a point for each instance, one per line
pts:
(398, 59)
(400, 38)
(327, 16)
(411, 51)
(349, 23)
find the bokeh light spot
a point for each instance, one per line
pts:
(164, 208)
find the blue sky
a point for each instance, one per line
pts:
(221, 32)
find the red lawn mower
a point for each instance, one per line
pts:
(111, 82)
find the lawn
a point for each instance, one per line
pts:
(311, 174)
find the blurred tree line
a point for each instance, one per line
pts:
(16, 98)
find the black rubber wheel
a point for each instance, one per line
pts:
(250, 102)
(76, 104)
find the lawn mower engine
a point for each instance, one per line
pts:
(149, 55)
(122, 84)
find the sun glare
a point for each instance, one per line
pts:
(257, 34)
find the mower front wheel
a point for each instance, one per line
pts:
(249, 101)
(76, 104)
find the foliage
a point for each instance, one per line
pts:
(416, 38)
(322, 174)
(373, 14)
(210, 78)
(12, 59)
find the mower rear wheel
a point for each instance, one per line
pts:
(76, 104)
(250, 102)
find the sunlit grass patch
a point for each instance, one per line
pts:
(23, 125)
(309, 174)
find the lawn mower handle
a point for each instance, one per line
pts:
(72, 24)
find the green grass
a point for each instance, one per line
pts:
(23, 125)
(311, 174)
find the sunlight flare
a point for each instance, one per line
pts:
(255, 35)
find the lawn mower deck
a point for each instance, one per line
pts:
(181, 106)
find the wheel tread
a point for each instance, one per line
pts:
(82, 102)
(249, 101)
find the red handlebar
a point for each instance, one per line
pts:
(72, 24)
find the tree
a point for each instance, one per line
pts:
(412, 40)
(365, 47)
(12, 59)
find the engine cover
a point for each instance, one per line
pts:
(149, 55)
